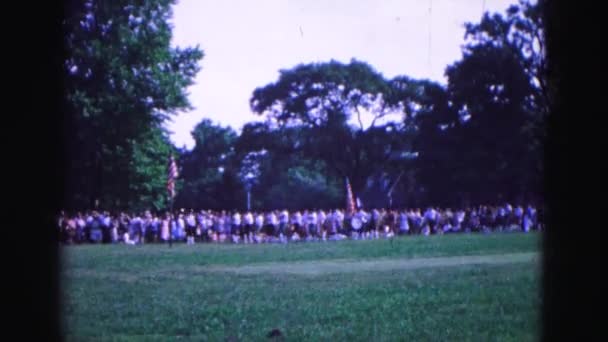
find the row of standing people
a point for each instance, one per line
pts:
(283, 226)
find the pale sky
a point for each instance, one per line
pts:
(246, 43)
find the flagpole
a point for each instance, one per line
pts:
(171, 192)
(170, 222)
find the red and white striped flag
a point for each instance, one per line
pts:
(171, 177)
(350, 199)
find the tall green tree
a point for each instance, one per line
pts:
(209, 171)
(321, 99)
(499, 89)
(123, 82)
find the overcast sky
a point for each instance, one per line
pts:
(246, 43)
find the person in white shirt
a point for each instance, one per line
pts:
(180, 232)
(164, 228)
(296, 221)
(259, 223)
(323, 224)
(269, 225)
(312, 225)
(248, 227)
(339, 217)
(190, 228)
(235, 227)
(430, 218)
(458, 220)
(284, 225)
(80, 228)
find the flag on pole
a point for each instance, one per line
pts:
(172, 176)
(350, 200)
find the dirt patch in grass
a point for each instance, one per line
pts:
(339, 266)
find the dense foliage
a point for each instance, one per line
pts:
(476, 139)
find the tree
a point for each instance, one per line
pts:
(499, 91)
(147, 171)
(209, 170)
(319, 99)
(123, 81)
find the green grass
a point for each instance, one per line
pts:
(141, 293)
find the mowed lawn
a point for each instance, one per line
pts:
(468, 287)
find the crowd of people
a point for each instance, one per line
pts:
(281, 226)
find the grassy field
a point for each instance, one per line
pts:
(436, 288)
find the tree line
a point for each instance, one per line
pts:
(476, 139)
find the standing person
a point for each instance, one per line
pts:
(296, 221)
(312, 226)
(340, 222)
(61, 219)
(531, 213)
(155, 227)
(145, 227)
(206, 227)
(200, 227)
(527, 222)
(180, 234)
(228, 226)
(430, 216)
(274, 221)
(458, 220)
(135, 229)
(269, 225)
(165, 227)
(190, 227)
(248, 227)
(390, 223)
(518, 216)
(123, 227)
(235, 227)
(70, 230)
(324, 224)
(367, 224)
(375, 223)
(403, 223)
(501, 218)
(284, 225)
(339, 231)
(94, 228)
(259, 226)
(80, 224)
(217, 226)
(114, 230)
(104, 225)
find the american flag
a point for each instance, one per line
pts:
(171, 177)
(350, 199)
